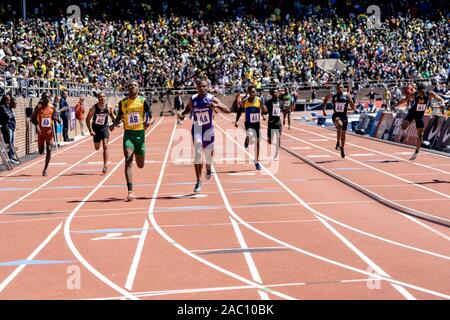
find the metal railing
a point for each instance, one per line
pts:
(34, 87)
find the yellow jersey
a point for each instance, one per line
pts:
(133, 113)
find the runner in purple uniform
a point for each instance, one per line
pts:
(202, 107)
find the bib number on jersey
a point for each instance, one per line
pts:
(46, 123)
(340, 107)
(276, 110)
(254, 117)
(203, 118)
(421, 107)
(134, 118)
(101, 119)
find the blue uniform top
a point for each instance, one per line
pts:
(340, 103)
(201, 114)
(420, 104)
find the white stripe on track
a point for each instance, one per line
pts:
(342, 238)
(376, 151)
(41, 160)
(73, 248)
(19, 269)
(140, 247)
(52, 179)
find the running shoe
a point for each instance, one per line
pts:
(414, 156)
(208, 174)
(130, 196)
(44, 173)
(198, 186)
(258, 166)
(105, 169)
(342, 153)
(337, 146)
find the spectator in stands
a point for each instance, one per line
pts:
(79, 114)
(313, 95)
(165, 48)
(396, 94)
(8, 124)
(387, 98)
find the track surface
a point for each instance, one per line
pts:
(286, 232)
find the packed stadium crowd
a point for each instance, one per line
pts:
(245, 46)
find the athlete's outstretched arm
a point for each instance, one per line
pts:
(238, 113)
(351, 102)
(118, 119)
(186, 110)
(148, 114)
(433, 95)
(34, 116)
(219, 105)
(111, 114)
(88, 120)
(408, 98)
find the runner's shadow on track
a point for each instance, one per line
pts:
(383, 161)
(25, 175)
(31, 214)
(326, 161)
(234, 171)
(432, 182)
(78, 174)
(108, 200)
(99, 200)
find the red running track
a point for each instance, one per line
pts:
(286, 232)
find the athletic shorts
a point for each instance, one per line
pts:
(343, 118)
(45, 137)
(286, 109)
(203, 134)
(417, 117)
(273, 126)
(255, 126)
(101, 135)
(135, 140)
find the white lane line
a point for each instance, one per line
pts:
(318, 140)
(248, 258)
(140, 247)
(318, 156)
(342, 265)
(419, 174)
(41, 160)
(138, 253)
(229, 288)
(224, 250)
(426, 226)
(73, 248)
(300, 148)
(376, 151)
(50, 180)
(162, 233)
(16, 272)
(368, 166)
(253, 285)
(403, 245)
(350, 245)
